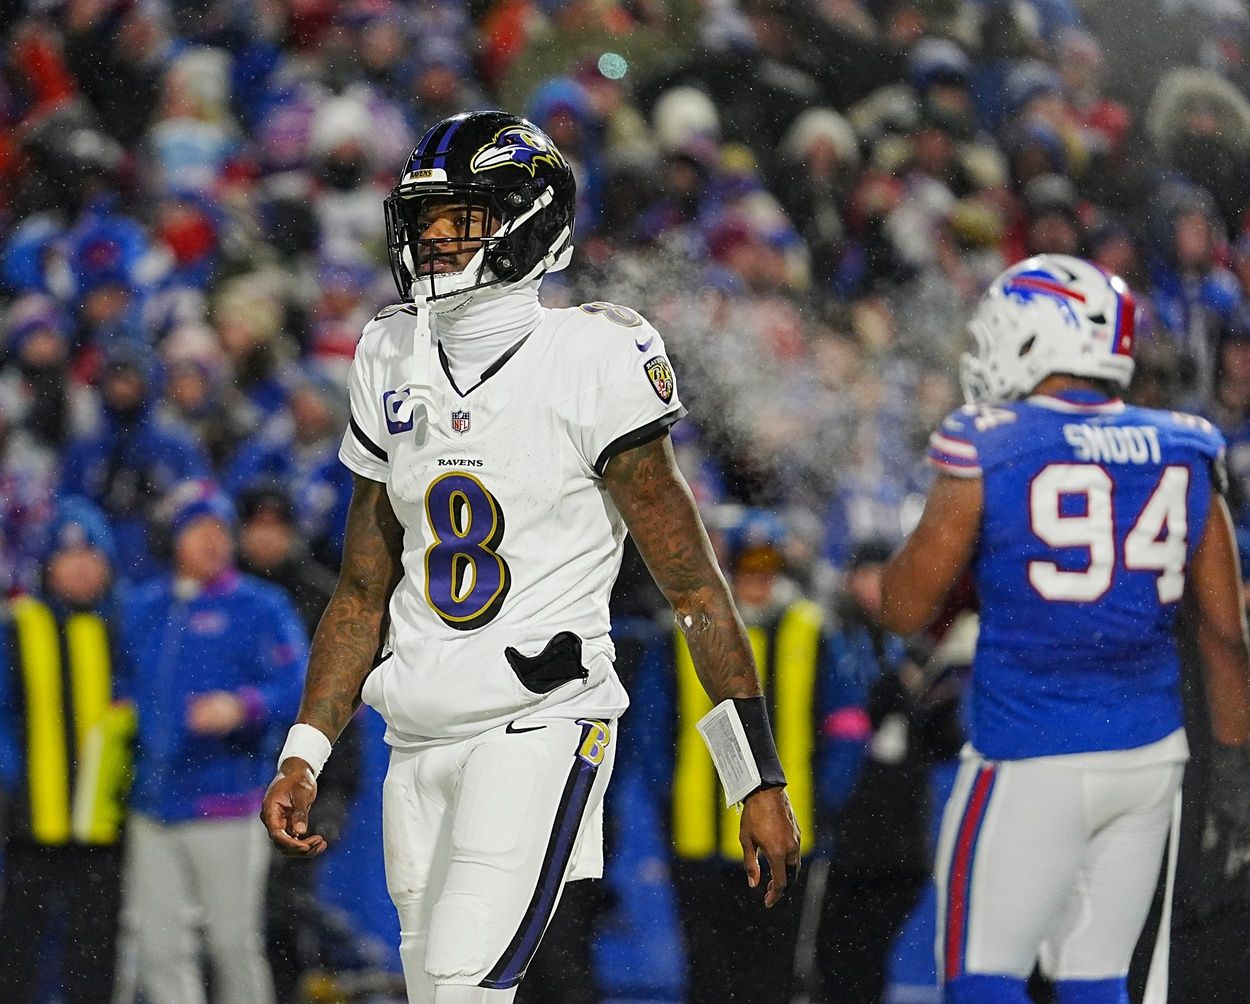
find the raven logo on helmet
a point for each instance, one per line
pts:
(516, 146)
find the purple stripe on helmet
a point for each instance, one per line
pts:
(440, 155)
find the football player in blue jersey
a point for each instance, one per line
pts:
(1086, 523)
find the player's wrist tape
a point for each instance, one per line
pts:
(753, 711)
(741, 743)
(309, 744)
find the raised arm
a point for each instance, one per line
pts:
(656, 504)
(344, 647)
(918, 577)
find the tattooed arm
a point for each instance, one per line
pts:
(350, 633)
(656, 504)
(347, 641)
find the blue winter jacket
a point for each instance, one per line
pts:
(238, 634)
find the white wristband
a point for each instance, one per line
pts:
(726, 740)
(309, 744)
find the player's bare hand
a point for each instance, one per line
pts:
(285, 810)
(768, 827)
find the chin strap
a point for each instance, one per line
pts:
(419, 395)
(557, 262)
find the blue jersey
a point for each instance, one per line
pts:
(1092, 510)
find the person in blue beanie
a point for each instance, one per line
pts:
(214, 658)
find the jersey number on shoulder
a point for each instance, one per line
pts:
(1157, 541)
(466, 580)
(615, 313)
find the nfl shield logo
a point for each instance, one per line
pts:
(460, 421)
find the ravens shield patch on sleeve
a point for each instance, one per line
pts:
(661, 376)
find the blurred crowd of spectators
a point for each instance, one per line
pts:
(806, 196)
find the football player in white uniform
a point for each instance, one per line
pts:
(501, 451)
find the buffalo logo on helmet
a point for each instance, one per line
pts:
(516, 146)
(661, 376)
(1026, 286)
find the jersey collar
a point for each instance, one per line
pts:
(487, 373)
(474, 343)
(1079, 402)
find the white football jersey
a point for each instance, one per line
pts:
(510, 536)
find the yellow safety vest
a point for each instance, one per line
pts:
(78, 741)
(787, 657)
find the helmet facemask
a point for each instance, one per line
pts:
(452, 261)
(974, 381)
(498, 230)
(1012, 350)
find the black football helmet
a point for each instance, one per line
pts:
(502, 165)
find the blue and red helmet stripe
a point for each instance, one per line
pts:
(1125, 322)
(1035, 283)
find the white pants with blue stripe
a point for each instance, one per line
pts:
(480, 836)
(1053, 859)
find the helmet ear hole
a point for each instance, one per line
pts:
(1027, 347)
(503, 261)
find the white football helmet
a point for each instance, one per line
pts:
(1048, 314)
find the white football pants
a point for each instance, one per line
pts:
(480, 836)
(1051, 859)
